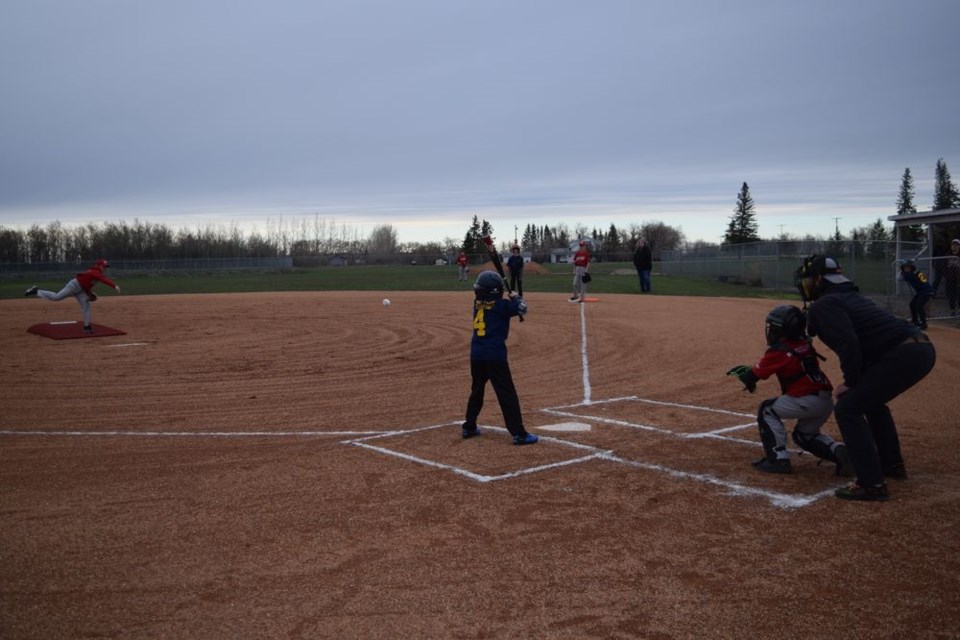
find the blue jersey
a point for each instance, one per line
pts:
(491, 326)
(917, 281)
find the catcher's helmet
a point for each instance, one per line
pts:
(489, 286)
(785, 321)
(907, 264)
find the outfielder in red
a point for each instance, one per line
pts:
(805, 395)
(81, 288)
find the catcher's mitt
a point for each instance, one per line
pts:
(92, 296)
(746, 376)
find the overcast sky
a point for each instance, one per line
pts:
(424, 113)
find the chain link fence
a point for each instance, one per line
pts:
(873, 266)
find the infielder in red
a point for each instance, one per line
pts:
(581, 263)
(81, 288)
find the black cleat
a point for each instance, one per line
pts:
(878, 493)
(780, 465)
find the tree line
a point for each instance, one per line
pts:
(316, 236)
(742, 226)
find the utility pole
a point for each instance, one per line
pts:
(515, 243)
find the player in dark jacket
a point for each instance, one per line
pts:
(488, 356)
(81, 288)
(515, 265)
(643, 262)
(881, 356)
(922, 292)
(805, 395)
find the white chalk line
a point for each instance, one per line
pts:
(128, 344)
(195, 434)
(362, 439)
(585, 365)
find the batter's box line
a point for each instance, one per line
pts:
(595, 454)
(790, 501)
(196, 434)
(716, 433)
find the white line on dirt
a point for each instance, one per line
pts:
(583, 354)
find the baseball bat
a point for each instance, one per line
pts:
(495, 258)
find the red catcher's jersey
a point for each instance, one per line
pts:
(789, 369)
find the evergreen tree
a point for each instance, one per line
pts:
(743, 222)
(905, 199)
(945, 194)
(473, 241)
(612, 242)
(905, 206)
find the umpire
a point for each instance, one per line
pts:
(881, 356)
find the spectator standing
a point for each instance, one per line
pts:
(643, 261)
(951, 276)
(515, 264)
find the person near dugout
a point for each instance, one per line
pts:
(643, 261)
(922, 292)
(804, 395)
(488, 356)
(881, 356)
(81, 288)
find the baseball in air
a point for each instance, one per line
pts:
(386, 302)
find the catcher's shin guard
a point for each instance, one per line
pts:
(816, 443)
(767, 436)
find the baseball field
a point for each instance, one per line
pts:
(290, 465)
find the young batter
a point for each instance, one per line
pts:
(488, 356)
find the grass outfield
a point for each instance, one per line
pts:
(608, 277)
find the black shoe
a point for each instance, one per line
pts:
(779, 465)
(88, 329)
(844, 465)
(896, 471)
(32, 291)
(469, 432)
(878, 493)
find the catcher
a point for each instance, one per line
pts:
(805, 395)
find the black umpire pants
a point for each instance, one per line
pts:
(865, 421)
(497, 372)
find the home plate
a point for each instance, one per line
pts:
(565, 426)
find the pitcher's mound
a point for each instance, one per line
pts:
(72, 329)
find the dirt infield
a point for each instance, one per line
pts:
(290, 465)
